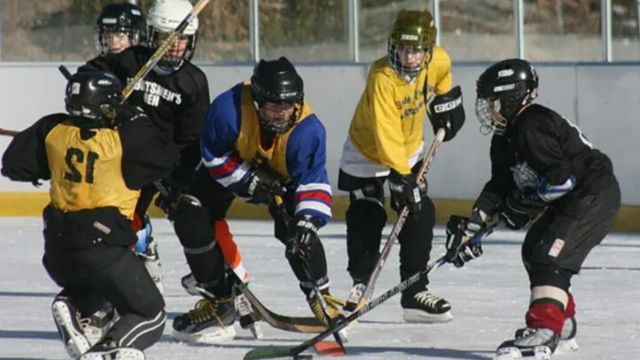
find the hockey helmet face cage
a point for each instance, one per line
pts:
(278, 93)
(93, 97)
(411, 42)
(118, 27)
(164, 17)
(503, 90)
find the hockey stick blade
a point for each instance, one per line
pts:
(273, 352)
(328, 348)
(282, 322)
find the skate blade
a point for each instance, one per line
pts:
(567, 347)
(508, 353)
(514, 353)
(256, 331)
(218, 336)
(419, 316)
(328, 348)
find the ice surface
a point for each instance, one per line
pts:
(489, 298)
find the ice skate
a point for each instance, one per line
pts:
(532, 343)
(108, 350)
(356, 293)
(425, 307)
(96, 326)
(210, 321)
(332, 308)
(69, 329)
(248, 319)
(567, 343)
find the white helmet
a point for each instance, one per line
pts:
(164, 16)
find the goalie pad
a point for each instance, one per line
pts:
(446, 112)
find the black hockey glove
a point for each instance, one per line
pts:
(302, 236)
(262, 186)
(460, 230)
(519, 208)
(405, 192)
(446, 112)
(171, 187)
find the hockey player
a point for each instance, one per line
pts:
(260, 141)
(118, 27)
(97, 157)
(385, 142)
(541, 165)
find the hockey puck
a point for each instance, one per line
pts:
(303, 357)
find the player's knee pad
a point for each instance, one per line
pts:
(366, 209)
(312, 269)
(192, 223)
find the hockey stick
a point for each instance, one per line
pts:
(284, 216)
(65, 72)
(163, 48)
(282, 322)
(6, 132)
(272, 352)
(399, 224)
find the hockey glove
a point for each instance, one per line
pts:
(170, 188)
(519, 208)
(446, 112)
(302, 236)
(262, 186)
(405, 192)
(460, 230)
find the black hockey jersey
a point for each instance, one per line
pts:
(176, 102)
(541, 147)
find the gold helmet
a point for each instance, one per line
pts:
(411, 28)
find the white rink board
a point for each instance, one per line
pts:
(601, 99)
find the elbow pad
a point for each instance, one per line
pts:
(549, 192)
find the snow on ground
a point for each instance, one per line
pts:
(489, 298)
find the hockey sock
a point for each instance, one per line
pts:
(230, 249)
(570, 310)
(547, 314)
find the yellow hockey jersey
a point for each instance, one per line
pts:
(87, 173)
(387, 126)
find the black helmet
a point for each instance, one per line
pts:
(503, 90)
(277, 81)
(93, 95)
(120, 18)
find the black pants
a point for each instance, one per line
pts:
(558, 243)
(89, 276)
(366, 217)
(194, 225)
